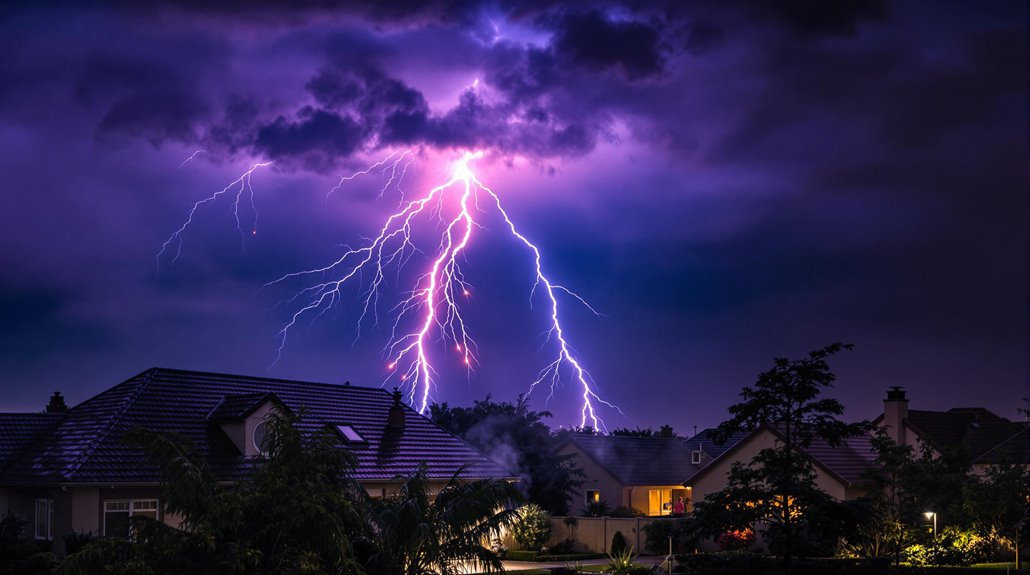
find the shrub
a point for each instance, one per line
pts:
(563, 547)
(619, 544)
(74, 542)
(597, 509)
(658, 532)
(514, 555)
(737, 540)
(533, 527)
(621, 563)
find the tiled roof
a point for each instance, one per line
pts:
(704, 442)
(975, 430)
(18, 431)
(639, 460)
(87, 447)
(850, 461)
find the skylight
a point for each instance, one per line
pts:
(350, 434)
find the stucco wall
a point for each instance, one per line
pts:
(597, 477)
(714, 478)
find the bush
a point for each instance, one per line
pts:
(514, 555)
(563, 547)
(532, 528)
(21, 556)
(953, 546)
(737, 540)
(597, 509)
(658, 532)
(74, 542)
(619, 544)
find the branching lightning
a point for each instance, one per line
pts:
(432, 310)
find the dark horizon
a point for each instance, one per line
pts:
(724, 182)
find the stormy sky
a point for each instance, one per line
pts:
(725, 182)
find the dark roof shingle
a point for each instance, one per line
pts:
(87, 447)
(639, 460)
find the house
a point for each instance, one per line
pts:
(70, 471)
(841, 471)
(645, 473)
(985, 438)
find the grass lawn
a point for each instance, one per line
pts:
(1011, 565)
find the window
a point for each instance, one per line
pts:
(350, 434)
(118, 512)
(593, 496)
(45, 519)
(659, 501)
(260, 435)
(695, 456)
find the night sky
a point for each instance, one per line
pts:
(725, 182)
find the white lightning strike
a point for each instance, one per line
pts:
(242, 187)
(438, 294)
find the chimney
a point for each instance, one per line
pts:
(57, 404)
(396, 418)
(895, 411)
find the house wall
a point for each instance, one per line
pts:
(612, 490)
(639, 497)
(714, 478)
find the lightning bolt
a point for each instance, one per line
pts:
(433, 307)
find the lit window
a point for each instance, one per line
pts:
(45, 519)
(659, 501)
(593, 496)
(118, 512)
(350, 434)
(695, 457)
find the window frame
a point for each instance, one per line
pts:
(131, 509)
(48, 503)
(696, 456)
(595, 499)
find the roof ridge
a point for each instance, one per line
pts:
(256, 378)
(148, 376)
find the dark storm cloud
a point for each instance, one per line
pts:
(594, 41)
(143, 99)
(819, 18)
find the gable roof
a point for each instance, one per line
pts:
(705, 442)
(975, 430)
(637, 460)
(85, 446)
(238, 406)
(849, 461)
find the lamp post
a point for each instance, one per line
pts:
(932, 515)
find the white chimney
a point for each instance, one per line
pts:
(895, 411)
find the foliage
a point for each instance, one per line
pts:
(517, 436)
(736, 540)
(952, 546)
(596, 509)
(777, 487)
(532, 528)
(998, 502)
(300, 512)
(414, 533)
(563, 547)
(522, 555)
(621, 562)
(19, 555)
(626, 511)
(619, 544)
(683, 532)
(663, 431)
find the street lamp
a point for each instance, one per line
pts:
(932, 515)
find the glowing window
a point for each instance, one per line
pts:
(593, 496)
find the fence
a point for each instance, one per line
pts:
(594, 534)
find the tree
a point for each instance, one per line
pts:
(415, 533)
(663, 431)
(997, 501)
(777, 487)
(294, 514)
(532, 528)
(516, 436)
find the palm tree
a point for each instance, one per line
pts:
(413, 533)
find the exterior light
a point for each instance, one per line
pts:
(932, 515)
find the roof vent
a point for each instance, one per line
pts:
(57, 404)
